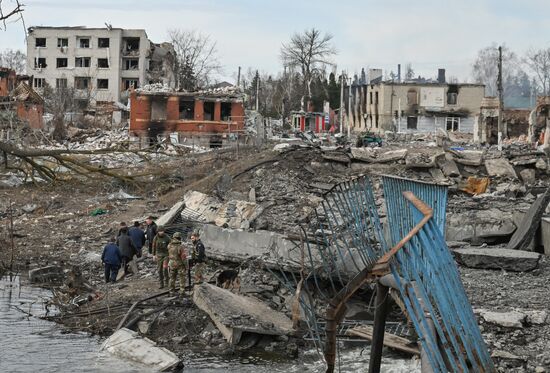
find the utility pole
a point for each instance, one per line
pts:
(349, 110)
(500, 99)
(239, 77)
(257, 90)
(341, 102)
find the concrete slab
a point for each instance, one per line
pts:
(234, 314)
(510, 260)
(545, 234)
(171, 214)
(512, 319)
(129, 345)
(500, 167)
(530, 223)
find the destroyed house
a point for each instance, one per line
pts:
(415, 105)
(8, 81)
(309, 121)
(195, 113)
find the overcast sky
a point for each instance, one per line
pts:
(427, 33)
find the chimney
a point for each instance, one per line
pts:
(441, 76)
(399, 72)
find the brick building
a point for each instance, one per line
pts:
(8, 81)
(200, 114)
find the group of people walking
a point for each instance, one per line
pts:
(172, 258)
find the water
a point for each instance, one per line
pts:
(29, 344)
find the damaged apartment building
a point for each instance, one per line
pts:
(213, 117)
(417, 105)
(102, 64)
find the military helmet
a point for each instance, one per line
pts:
(160, 228)
(177, 235)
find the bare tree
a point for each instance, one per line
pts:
(538, 61)
(309, 51)
(197, 57)
(6, 12)
(485, 68)
(409, 72)
(15, 60)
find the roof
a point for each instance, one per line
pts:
(24, 92)
(76, 28)
(432, 84)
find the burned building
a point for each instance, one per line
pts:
(418, 105)
(206, 115)
(101, 64)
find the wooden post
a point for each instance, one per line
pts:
(380, 313)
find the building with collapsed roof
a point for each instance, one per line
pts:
(100, 63)
(415, 106)
(17, 96)
(218, 112)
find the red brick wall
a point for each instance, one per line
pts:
(32, 113)
(7, 82)
(217, 110)
(140, 112)
(199, 110)
(237, 114)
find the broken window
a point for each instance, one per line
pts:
(82, 62)
(84, 42)
(81, 82)
(370, 97)
(40, 42)
(103, 84)
(209, 111)
(131, 64)
(158, 109)
(412, 123)
(412, 97)
(39, 63)
(376, 98)
(452, 94)
(187, 108)
(61, 83)
(452, 123)
(226, 111)
(62, 62)
(376, 120)
(103, 63)
(62, 42)
(39, 82)
(131, 44)
(130, 83)
(103, 42)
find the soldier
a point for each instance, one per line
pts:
(150, 232)
(199, 257)
(160, 254)
(177, 263)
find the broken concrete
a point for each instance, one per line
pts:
(129, 345)
(234, 314)
(448, 167)
(480, 226)
(528, 176)
(171, 214)
(468, 157)
(512, 319)
(530, 223)
(500, 167)
(510, 260)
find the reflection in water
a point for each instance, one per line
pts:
(29, 344)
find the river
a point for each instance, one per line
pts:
(30, 344)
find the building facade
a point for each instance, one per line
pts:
(416, 107)
(196, 114)
(101, 64)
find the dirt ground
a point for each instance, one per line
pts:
(55, 225)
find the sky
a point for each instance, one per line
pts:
(429, 34)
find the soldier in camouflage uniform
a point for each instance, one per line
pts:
(160, 254)
(177, 263)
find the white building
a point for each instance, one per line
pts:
(100, 63)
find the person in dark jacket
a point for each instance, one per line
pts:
(111, 259)
(121, 227)
(198, 257)
(127, 248)
(138, 237)
(151, 232)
